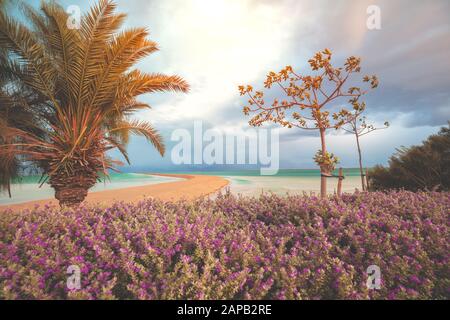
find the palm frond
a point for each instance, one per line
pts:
(119, 146)
(97, 28)
(40, 25)
(11, 71)
(19, 40)
(70, 93)
(136, 83)
(158, 82)
(125, 50)
(145, 129)
(63, 44)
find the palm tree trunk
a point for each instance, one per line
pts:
(323, 179)
(71, 190)
(360, 162)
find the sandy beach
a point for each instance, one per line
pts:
(192, 187)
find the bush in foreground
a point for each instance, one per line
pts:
(294, 247)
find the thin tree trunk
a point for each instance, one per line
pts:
(367, 180)
(360, 162)
(323, 180)
(339, 187)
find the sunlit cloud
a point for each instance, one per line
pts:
(219, 45)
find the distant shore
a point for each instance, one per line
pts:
(191, 188)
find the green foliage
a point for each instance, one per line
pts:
(423, 167)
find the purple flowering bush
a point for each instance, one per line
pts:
(293, 247)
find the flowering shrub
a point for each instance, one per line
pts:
(293, 247)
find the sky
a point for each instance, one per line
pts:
(217, 45)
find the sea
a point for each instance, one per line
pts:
(286, 181)
(244, 182)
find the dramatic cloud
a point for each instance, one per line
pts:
(219, 44)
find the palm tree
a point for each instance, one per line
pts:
(12, 113)
(6, 170)
(83, 91)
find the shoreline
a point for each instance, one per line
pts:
(191, 188)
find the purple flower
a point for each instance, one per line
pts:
(272, 247)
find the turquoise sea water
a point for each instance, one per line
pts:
(281, 173)
(245, 182)
(27, 188)
(286, 181)
(291, 182)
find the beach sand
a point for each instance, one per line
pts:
(193, 187)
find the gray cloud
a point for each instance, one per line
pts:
(410, 54)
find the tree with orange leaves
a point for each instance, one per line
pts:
(309, 102)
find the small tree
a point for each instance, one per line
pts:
(359, 127)
(308, 101)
